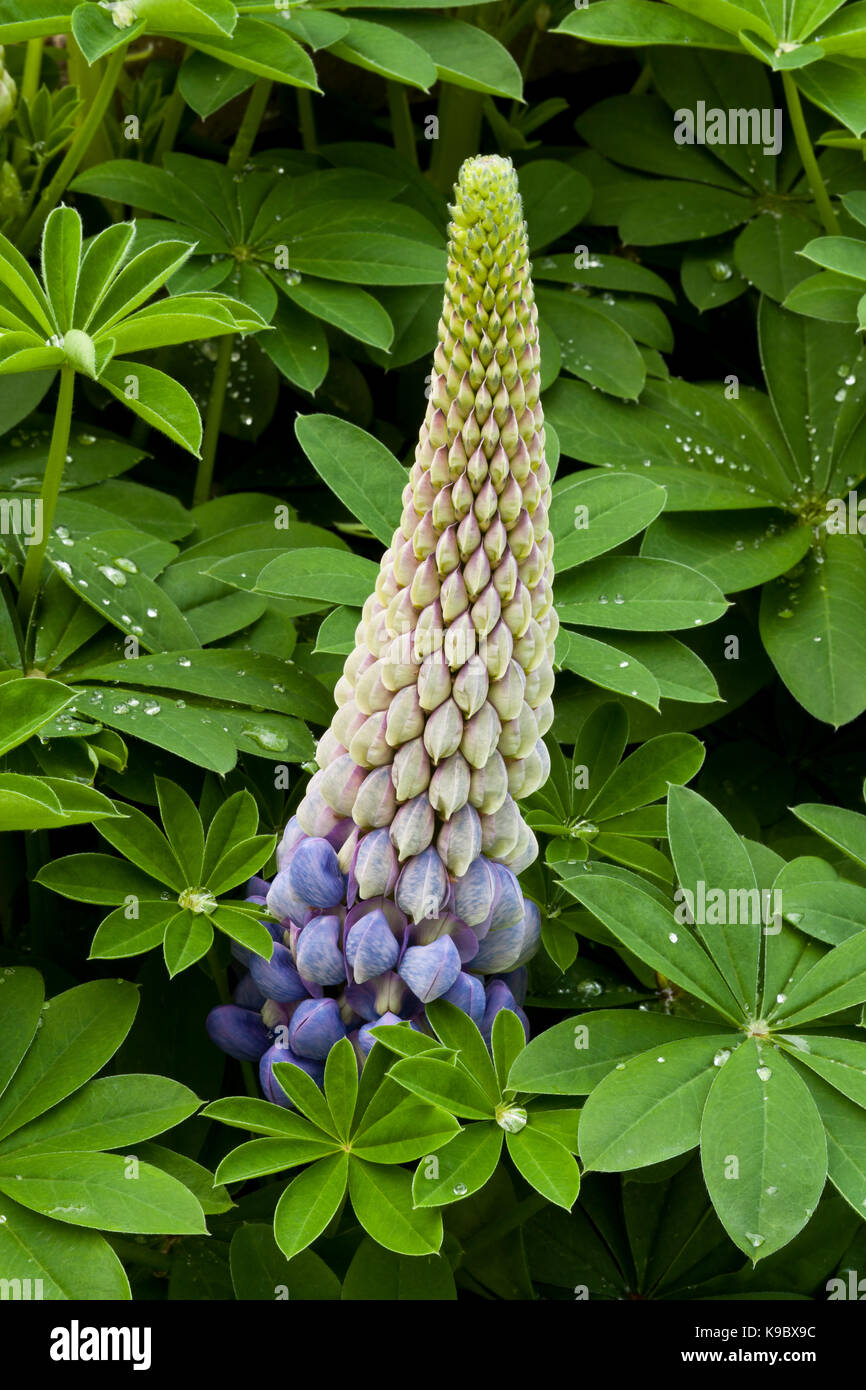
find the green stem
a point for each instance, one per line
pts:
(643, 80)
(50, 490)
(807, 155)
(213, 420)
(513, 26)
(172, 114)
(32, 69)
(402, 129)
(29, 234)
(524, 72)
(249, 126)
(459, 114)
(307, 120)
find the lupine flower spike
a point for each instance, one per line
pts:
(397, 879)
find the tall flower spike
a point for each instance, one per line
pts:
(444, 701)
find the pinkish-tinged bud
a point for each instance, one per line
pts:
(506, 694)
(519, 735)
(470, 686)
(405, 717)
(459, 841)
(412, 827)
(434, 681)
(370, 694)
(375, 865)
(376, 802)
(423, 886)
(449, 786)
(315, 816)
(340, 783)
(410, 770)
(499, 831)
(480, 736)
(444, 731)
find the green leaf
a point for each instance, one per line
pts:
(241, 927)
(260, 1157)
(830, 911)
(387, 52)
(507, 1041)
(646, 928)
(362, 472)
(649, 1108)
(309, 1202)
(457, 1031)
(25, 705)
(462, 1167)
(598, 748)
(188, 937)
(240, 862)
(141, 841)
(96, 1189)
(840, 1062)
(592, 345)
(380, 1275)
(634, 23)
(305, 1094)
(61, 251)
(71, 1263)
(298, 346)
(397, 1128)
(632, 592)
(262, 49)
(236, 819)
(382, 1202)
(572, 1057)
(545, 1165)
(131, 930)
(678, 671)
(836, 982)
(593, 512)
(736, 550)
(107, 1113)
(347, 307)
(334, 576)
(761, 1126)
(555, 198)
(23, 995)
(257, 1116)
(156, 398)
(463, 54)
(341, 1085)
(97, 878)
(81, 1029)
(667, 760)
(707, 851)
(444, 1085)
(845, 1133)
(260, 1271)
(260, 680)
(189, 732)
(183, 828)
(212, 1199)
(843, 828)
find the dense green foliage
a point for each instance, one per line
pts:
(223, 239)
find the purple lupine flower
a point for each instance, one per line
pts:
(397, 878)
